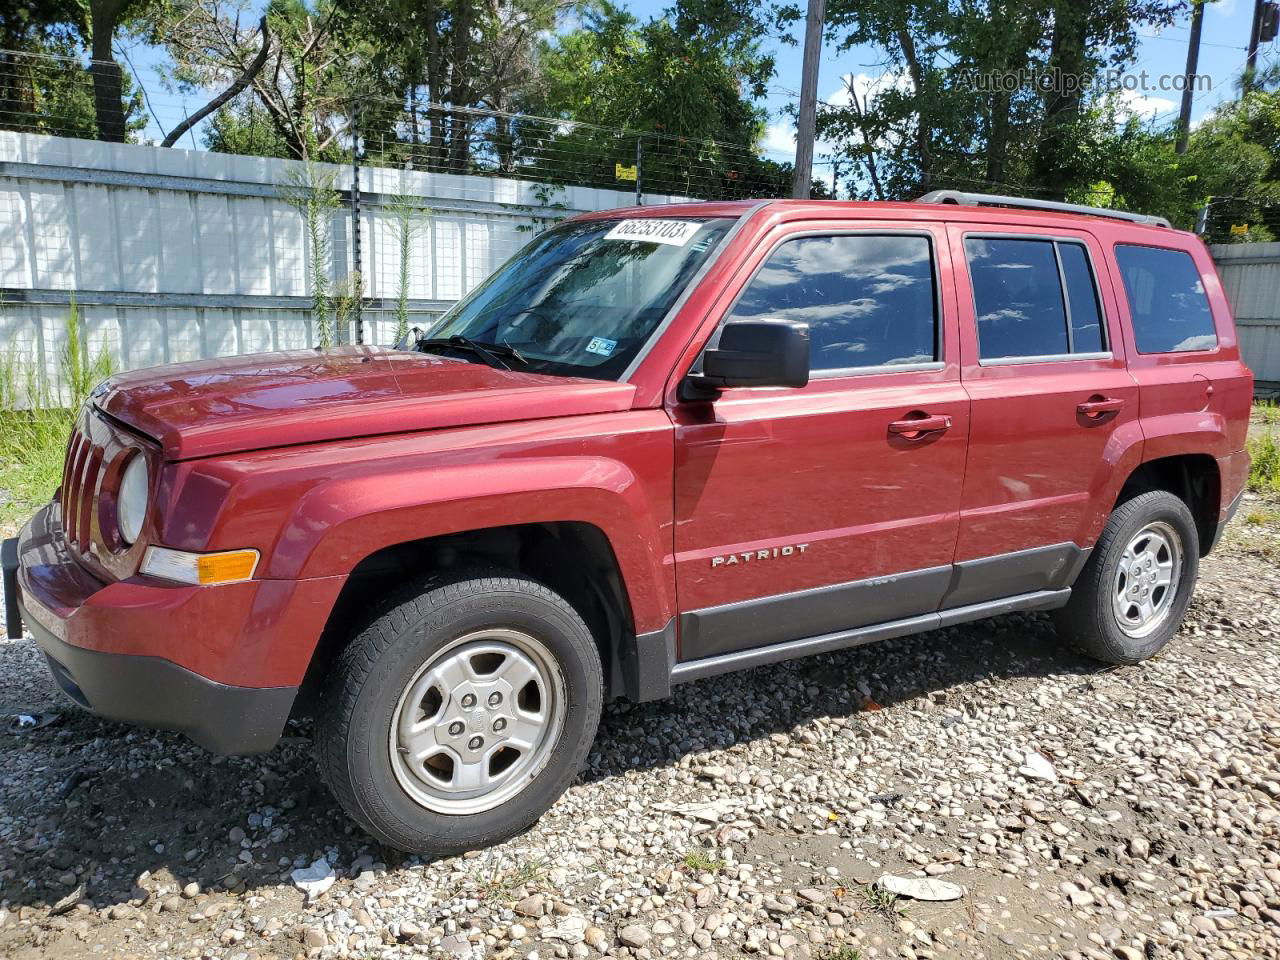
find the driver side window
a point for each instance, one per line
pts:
(869, 300)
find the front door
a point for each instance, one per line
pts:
(802, 512)
(1053, 408)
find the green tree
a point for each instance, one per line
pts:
(688, 80)
(304, 88)
(984, 94)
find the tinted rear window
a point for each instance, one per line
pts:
(1018, 297)
(1166, 299)
(1082, 297)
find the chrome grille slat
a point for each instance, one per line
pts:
(88, 497)
(71, 495)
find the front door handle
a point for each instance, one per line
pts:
(1097, 408)
(920, 426)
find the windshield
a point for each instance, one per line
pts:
(584, 297)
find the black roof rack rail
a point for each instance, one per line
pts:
(995, 200)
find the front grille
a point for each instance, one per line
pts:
(80, 479)
(96, 454)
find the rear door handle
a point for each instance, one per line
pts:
(1096, 408)
(913, 429)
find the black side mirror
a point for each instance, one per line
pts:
(755, 353)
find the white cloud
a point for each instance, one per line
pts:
(780, 137)
(1142, 105)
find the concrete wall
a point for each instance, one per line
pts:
(171, 255)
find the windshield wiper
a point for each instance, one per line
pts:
(486, 353)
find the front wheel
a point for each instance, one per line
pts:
(459, 716)
(1133, 592)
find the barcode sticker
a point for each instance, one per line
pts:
(674, 232)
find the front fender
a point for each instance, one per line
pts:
(339, 522)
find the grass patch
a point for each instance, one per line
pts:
(844, 953)
(699, 861)
(499, 882)
(35, 424)
(1264, 471)
(880, 900)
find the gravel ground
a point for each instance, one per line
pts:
(751, 814)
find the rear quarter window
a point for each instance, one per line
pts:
(1167, 302)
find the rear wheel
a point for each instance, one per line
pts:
(460, 715)
(1133, 593)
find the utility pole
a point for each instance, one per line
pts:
(1251, 62)
(1193, 57)
(802, 183)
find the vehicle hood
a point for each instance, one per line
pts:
(266, 400)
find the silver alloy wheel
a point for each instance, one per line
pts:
(478, 721)
(1147, 579)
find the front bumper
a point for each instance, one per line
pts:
(154, 692)
(171, 657)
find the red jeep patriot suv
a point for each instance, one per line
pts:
(658, 445)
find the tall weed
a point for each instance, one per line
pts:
(36, 418)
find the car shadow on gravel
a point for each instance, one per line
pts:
(86, 801)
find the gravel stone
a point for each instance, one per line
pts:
(747, 817)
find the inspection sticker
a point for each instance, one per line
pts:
(602, 346)
(674, 232)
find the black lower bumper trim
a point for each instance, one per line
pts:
(154, 692)
(9, 565)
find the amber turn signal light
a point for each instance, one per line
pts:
(200, 569)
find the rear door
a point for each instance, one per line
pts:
(801, 512)
(1053, 407)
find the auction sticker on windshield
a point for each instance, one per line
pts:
(674, 232)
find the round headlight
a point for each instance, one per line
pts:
(131, 506)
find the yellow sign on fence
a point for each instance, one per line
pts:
(624, 173)
(1239, 229)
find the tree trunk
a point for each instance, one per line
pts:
(924, 155)
(460, 88)
(108, 82)
(868, 154)
(242, 81)
(1050, 169)
(435, 86)
(998, 140)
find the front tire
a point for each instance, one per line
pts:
(457, 717)
(1133, 592)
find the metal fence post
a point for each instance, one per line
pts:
(357, 265)
(639, 159)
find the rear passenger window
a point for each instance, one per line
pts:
(1033, 298)
(1166, 299)
(1082, 299)
(868, 299)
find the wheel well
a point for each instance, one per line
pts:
(1193, 478)
(575, 560)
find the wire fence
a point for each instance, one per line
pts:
(1237, 219)
(63, 96)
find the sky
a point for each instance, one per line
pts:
(1224, 40)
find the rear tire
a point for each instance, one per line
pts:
(458, 716)
(1133, 592)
